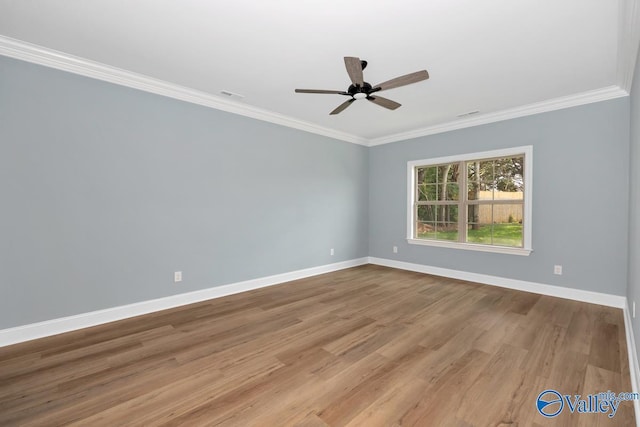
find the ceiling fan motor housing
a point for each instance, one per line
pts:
(366, 88)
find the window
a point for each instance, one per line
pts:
(479, 201)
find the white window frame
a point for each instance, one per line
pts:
(526, 248)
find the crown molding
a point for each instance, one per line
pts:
(574, 100)
(62, 61)
(628, 42)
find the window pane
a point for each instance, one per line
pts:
(453, 192)
(473, 190)
(508, 235)
(480, 171)
(427, 213)
(486, 192)
(447, 213)
(439, 222)
(480, 190)
(509, 173)
(447, 231)
(426, 230)
(448, 173)
(507, 227)
(430, 213)
(472, 171)
(473, 214)
(479, 233)
(485, 171)
(441, 173)
(453, 172)
(479, 221)
(496, 224)
(427, 192)
(510, 194)
(507, 213)
(427, 175)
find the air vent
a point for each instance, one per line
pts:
(469, 113)
(230, 94)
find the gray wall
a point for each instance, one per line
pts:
(633, 293)
(105, 191)
(580, 197)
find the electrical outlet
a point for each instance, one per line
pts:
(557, 269)
(177, 276)
(395, 249)
(331, 252)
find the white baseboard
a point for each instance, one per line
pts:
(503, 282)
(93, 318)
(84, 320)
(634, 367)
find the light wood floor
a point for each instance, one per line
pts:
(367, 346)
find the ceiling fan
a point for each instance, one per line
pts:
(360, 89)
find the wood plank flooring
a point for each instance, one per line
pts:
(366, 346)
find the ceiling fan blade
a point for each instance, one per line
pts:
(354, 69)
(338, 92)
(342, 106)
(384, 102)
(407, 79)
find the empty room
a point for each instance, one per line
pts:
(362, 213)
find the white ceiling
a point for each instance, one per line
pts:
(492, 56)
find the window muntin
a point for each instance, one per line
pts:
(474, 200)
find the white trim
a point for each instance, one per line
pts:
(503, 282)
(588, 97)
(471, 246)
(411, 197)
(502, 152)
(527, 150)
(628, 41)
(62, 61)
(85, 320)
(634, 367)
(24, 51)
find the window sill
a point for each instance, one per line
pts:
(471, 247)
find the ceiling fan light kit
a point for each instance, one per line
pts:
(359, 89)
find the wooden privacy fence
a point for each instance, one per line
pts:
(501, 213)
